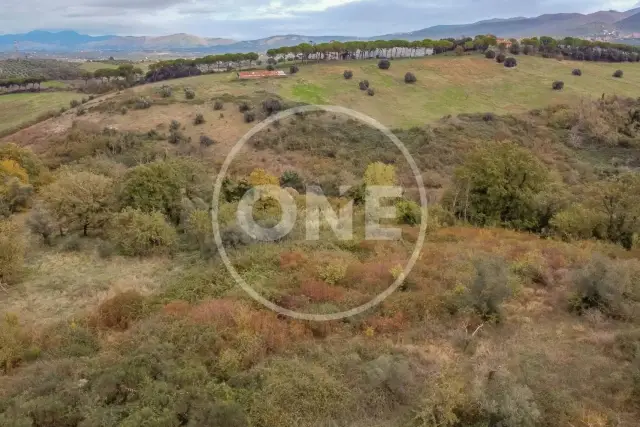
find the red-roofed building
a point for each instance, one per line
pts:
(259, 74)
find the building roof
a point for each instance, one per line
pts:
(260, 74)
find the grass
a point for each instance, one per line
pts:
(93, 66)
(20, 108)
(446, 85)
(55, 84)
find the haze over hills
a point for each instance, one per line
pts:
(559, 25)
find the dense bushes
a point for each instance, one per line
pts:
(498, 185)
(12, 252)
(294, 69)
(510, 62)
(610, 287)
(348, 74)
(271, 106)
(205, 141)
(80, 201)
(500, 58)
(166, 91)
(154, 187)
(189, 93)
(576, 72)
(136, 233)
(557, 85)
(384, 64)
(249, 116)
(119, 311)
(370, 91)
(244, 106)
(364, 85)
(409, 77)
(199, 119)
(618, 73)
(217, 105)
(490, 54)
(292, 179)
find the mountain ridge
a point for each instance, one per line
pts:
(558, 24)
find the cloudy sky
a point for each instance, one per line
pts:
(250, 19)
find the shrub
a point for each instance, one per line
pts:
(81, 111)
(490, 54)
(84, 100)
(124, 111)
(136, 233)
(618, 74)
(500, 183)
(12, 252)
(575, 223)
(487, 291)
(271, 106)
(370, 92)
(604, 285)
(249, 116)
(576, 72)
(74, 103)
(177, 137)
(364, 85)
(292, 179)
(270, 67)
(510, 62)
(41, 222)
(174, 125)
(155, 186)
(244, 106)
(409, 77)
(500, 58)
(119, 311)
(81, 200)
(408, 212)
(199, 119)
(189, 93)
(217, 105)
(234, 237)
(205, 141)
(557, 85)
(384, 64)
(333, 273)
(166, 91)
(25, 158)
(379, 173)
(348, 74)
(294, 69)
(142, 104)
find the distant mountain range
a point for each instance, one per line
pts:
(558, 25)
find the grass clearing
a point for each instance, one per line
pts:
(20, 108)
(446, 85)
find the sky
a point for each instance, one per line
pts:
(252, 19)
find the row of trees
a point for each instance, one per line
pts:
(22, 82)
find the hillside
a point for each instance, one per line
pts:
(522, 309)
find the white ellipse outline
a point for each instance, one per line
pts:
(216, 201)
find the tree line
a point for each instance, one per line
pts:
(22, 82)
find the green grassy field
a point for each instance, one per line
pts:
(93, 66)
(17, 109)
(54, 84)
(446, 85)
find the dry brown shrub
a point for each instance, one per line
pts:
(319, 291)
(176, 308)
(291, 260)
(370, 275)
(388, 324)
(119, 311)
